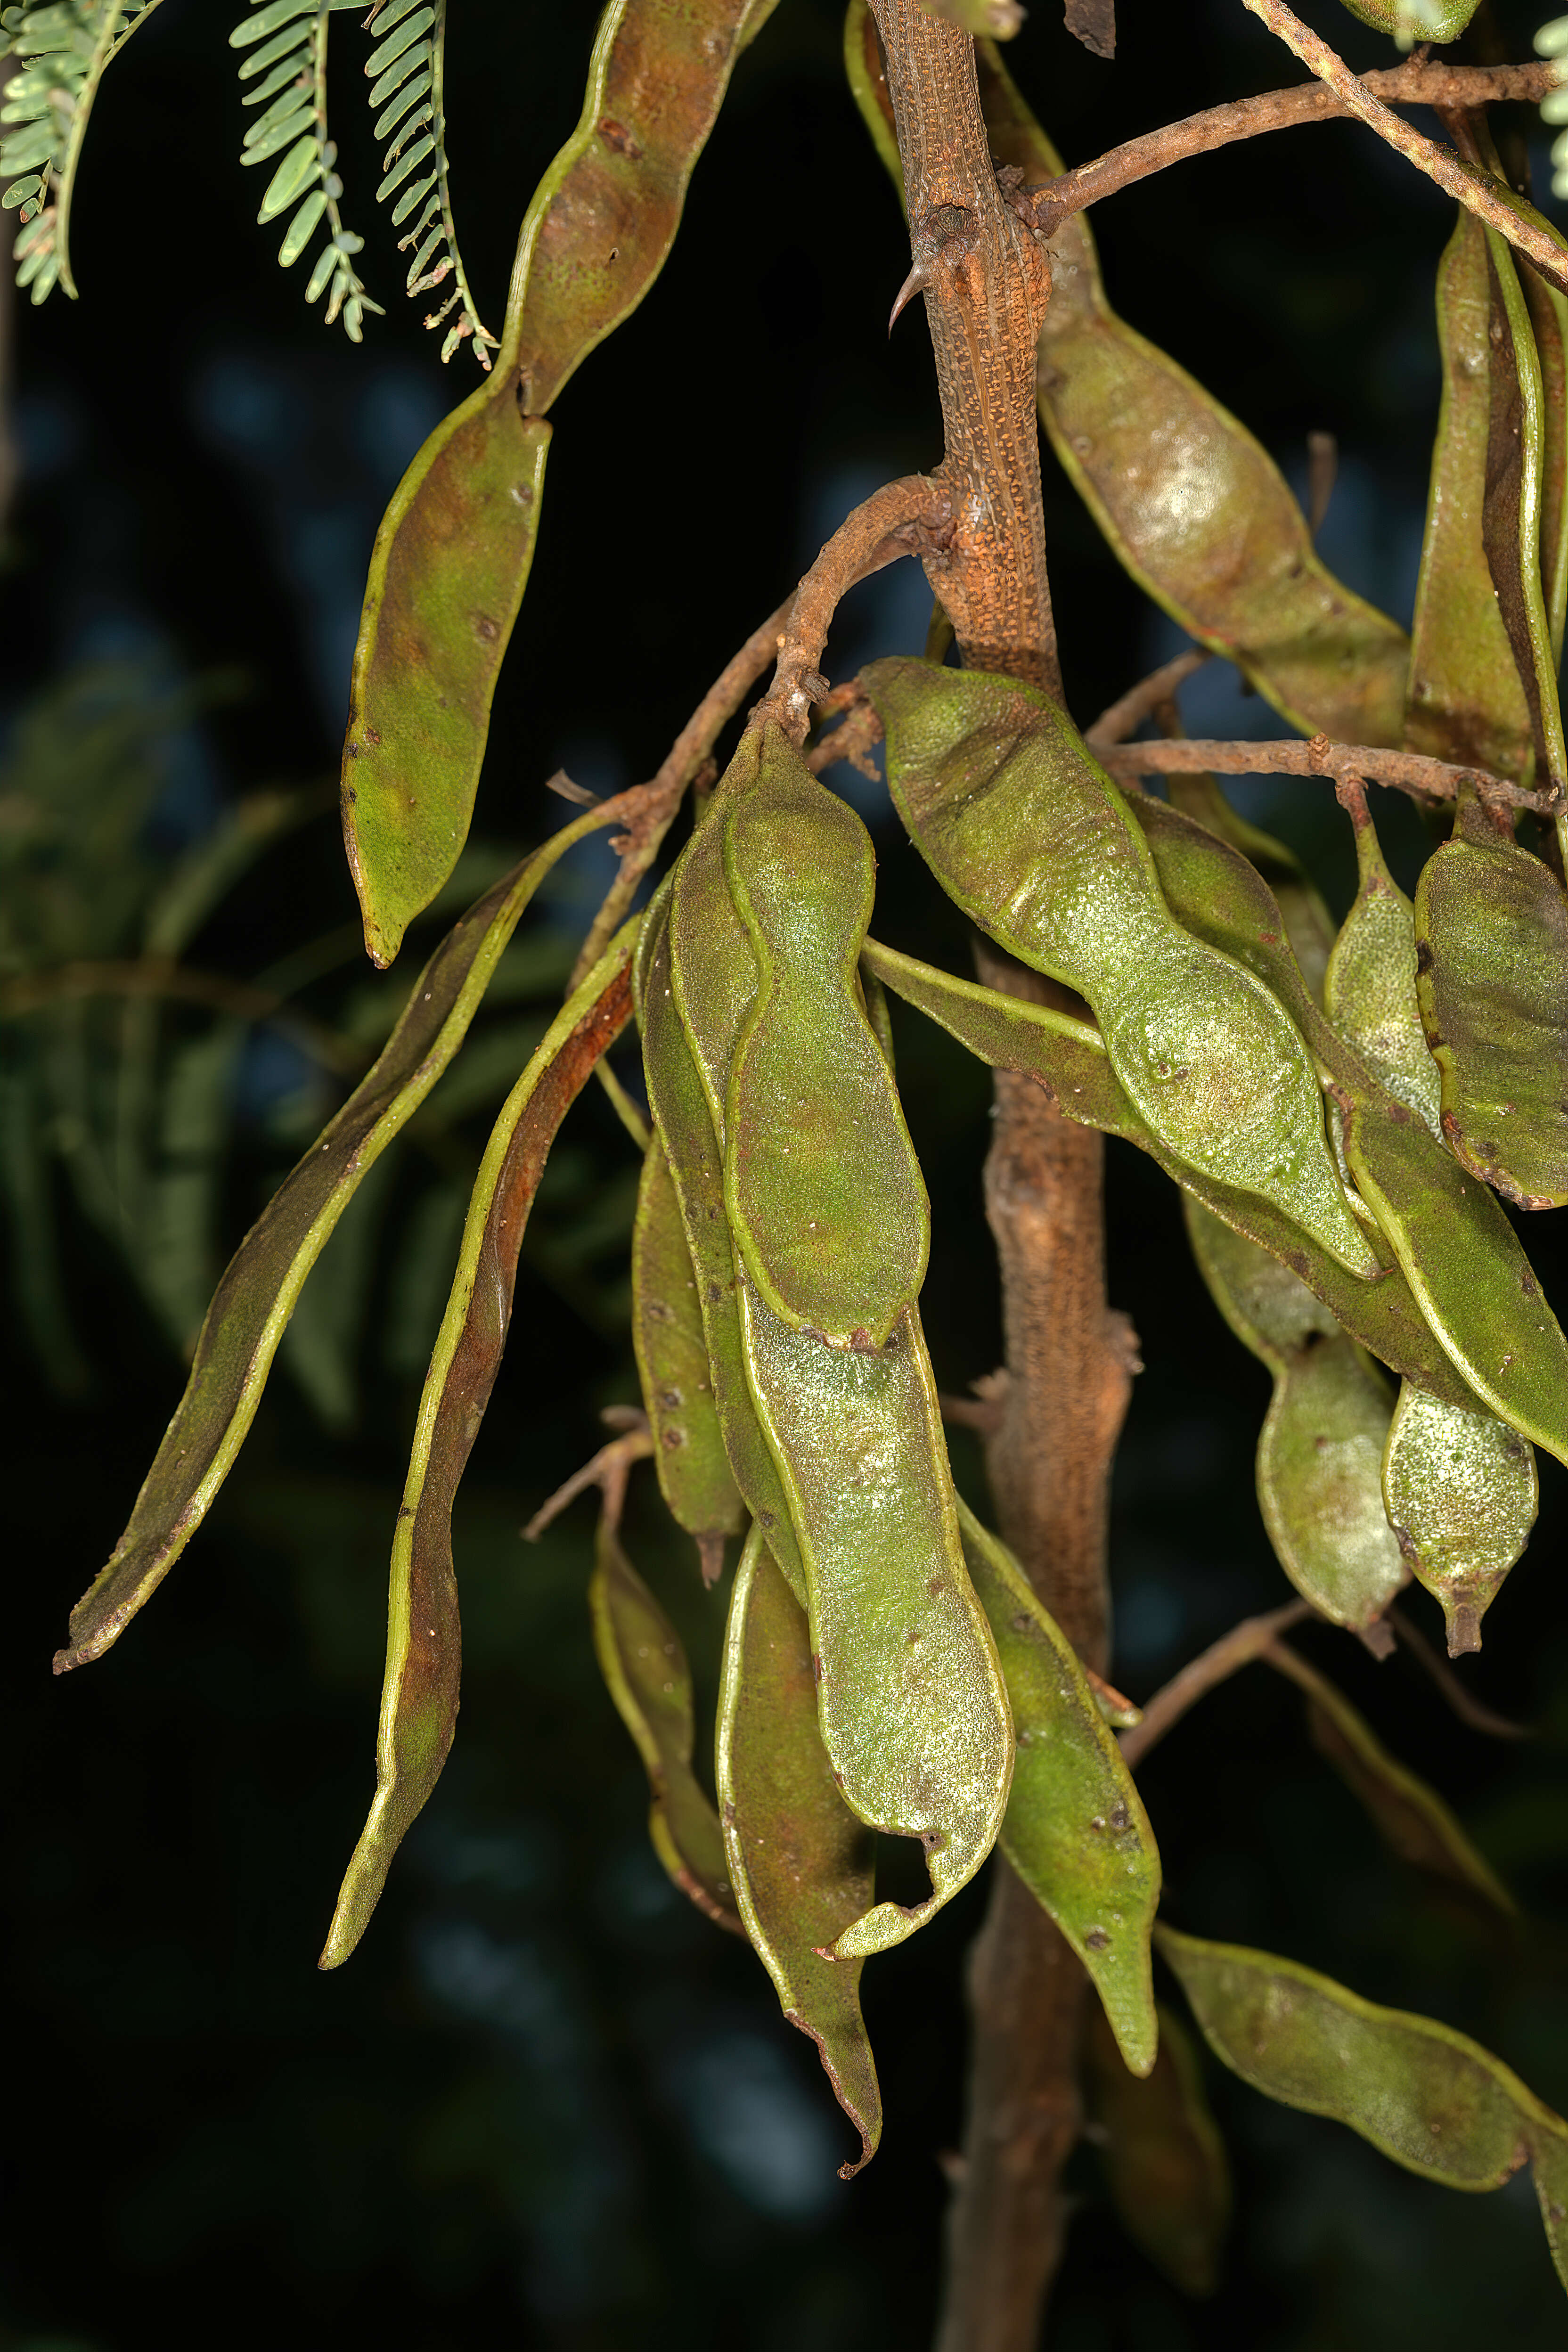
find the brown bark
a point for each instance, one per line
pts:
(1060, 1404)
(986, 280)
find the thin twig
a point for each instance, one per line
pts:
(852, 740)
(1466, 1705)
(903, 518)
(608, 1470)
(1048, 205)
(1121, 717)
(660, 798)
(1489, 198)
(154, 977)
(1405, 771)
(1244, 1642)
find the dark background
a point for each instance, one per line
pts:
(545, 2104)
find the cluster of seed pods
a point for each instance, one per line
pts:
(1341, 1109)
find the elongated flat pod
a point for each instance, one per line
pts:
(252, 1304)
(1320, 1454)
(1074, 1829)
(1431, 2099)
(694, 1472)
(446, 575)
(1309, 925)
(1067, 1057)
(1512, 511)
(1164, 2161)
(1409, 1815)
(1461, 1491)
(1025, 830)
(1549, 318)
(1492, 939)
(1368, 992)
(424, 1645)
(823, 1191)
(800, 1862)
(909, 1695)
(1458, 1251)
(713, 964)
(604, 218)
(1464, 700)
(645, 1673)
(680, 1106)
(1188, 500)
(1462, 1259)
(452, 557)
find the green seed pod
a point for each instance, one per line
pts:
(453, 554)
(1463, 701)
(1461, 1492)
(1309, 925)
(1431, 2099)
(1409, 1816)
(253, 1302)
(1164, 2161)
(424, 1641)
(1368, 992)
(909, 1694)
(1189, 502)
(1075, 1830)
(1319, 1455)
(1458, 1251)
(672, 1364)
(1462, 1259)
(1491, 931)
(1067, 1057)
(800, 1862)
(1028, 834)
(826, 1203)
(680, 1106)
(1512, 508)
(645, 1673)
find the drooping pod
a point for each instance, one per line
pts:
(1461, 1491)
(1456, 1248)
(645, 1670)
(1309, 925)
(1512, 509)
(1187, 500)
(1369, 990)
(253, 1302)
(452, 556)
(1464, 698)
(800, 1862)
(1067, 1057)
(826, 1202)
(1029, 835)
(1164, 2161)
(1074, 1829)
(681, 1108)
(1491, 932)
(1320, 1457)
(1431, 2099)
(423, 1645)
(694, 1472)
(910, 1695)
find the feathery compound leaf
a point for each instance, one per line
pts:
(64, 49)
(412, 58)
(288, 44)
